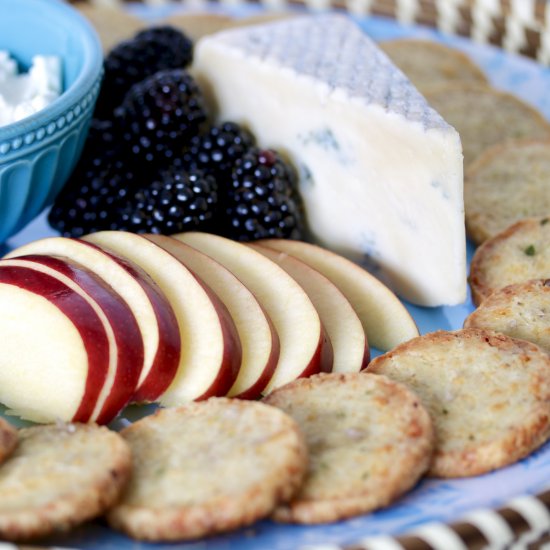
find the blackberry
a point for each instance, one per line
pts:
(174, 40)
(102, 142)
(217, 151)
(90, 200)
(94, 183)
(175, 201)
(263, 200)
(150, 51)
(161, 114)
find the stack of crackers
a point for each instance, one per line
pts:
(321, 449)
(317, 450)
(507, 201)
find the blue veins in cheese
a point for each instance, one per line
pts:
(381, 171)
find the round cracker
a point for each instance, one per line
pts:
(427, 63)
(488, 395)
(506, 184)
(484, 116)
(8, 439)
(208, 467)
(60, 476)
(518, 254)
(369, 440)
(520, 311)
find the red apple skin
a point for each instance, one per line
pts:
(327, 353)
(167, 357)
(232, 356)
(322, 357)
(255, 391)
(366, 357)
(232, 351)
(321, 360)
(82, 316)
(128, 339)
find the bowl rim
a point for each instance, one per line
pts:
(89, 74)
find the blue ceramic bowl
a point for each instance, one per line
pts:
(38, 153)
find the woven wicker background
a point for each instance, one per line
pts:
(521, 26)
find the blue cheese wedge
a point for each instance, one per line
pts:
(380, 170)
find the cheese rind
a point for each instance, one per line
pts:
(380, 171)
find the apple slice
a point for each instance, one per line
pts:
(154, 315)
(55, 352)
(343, 326)
(125, 342)
(210, 347)
(385, 319)
(259, 341)
(304, 347)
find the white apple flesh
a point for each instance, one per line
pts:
(343, 326)
(385, 319)
(154, 315)
(304, 347)
(259, 340)
(210, 347)
(125, 342)
(54, 356)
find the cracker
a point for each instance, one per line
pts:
(60, 476)
(488, 395)
(197, 25)
(518, 254)
(8, 439)
(427, 63)
(208, 467)
(520, 311)
(484, 117)
(507, 183)
(369, 441)
(112, 24)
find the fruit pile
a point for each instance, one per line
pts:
(153, 162)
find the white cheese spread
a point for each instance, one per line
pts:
(24, 94)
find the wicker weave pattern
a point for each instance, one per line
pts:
(524, 523)
(521, 26)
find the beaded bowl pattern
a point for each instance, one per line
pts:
(38, 153)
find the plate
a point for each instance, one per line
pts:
(431, 500)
